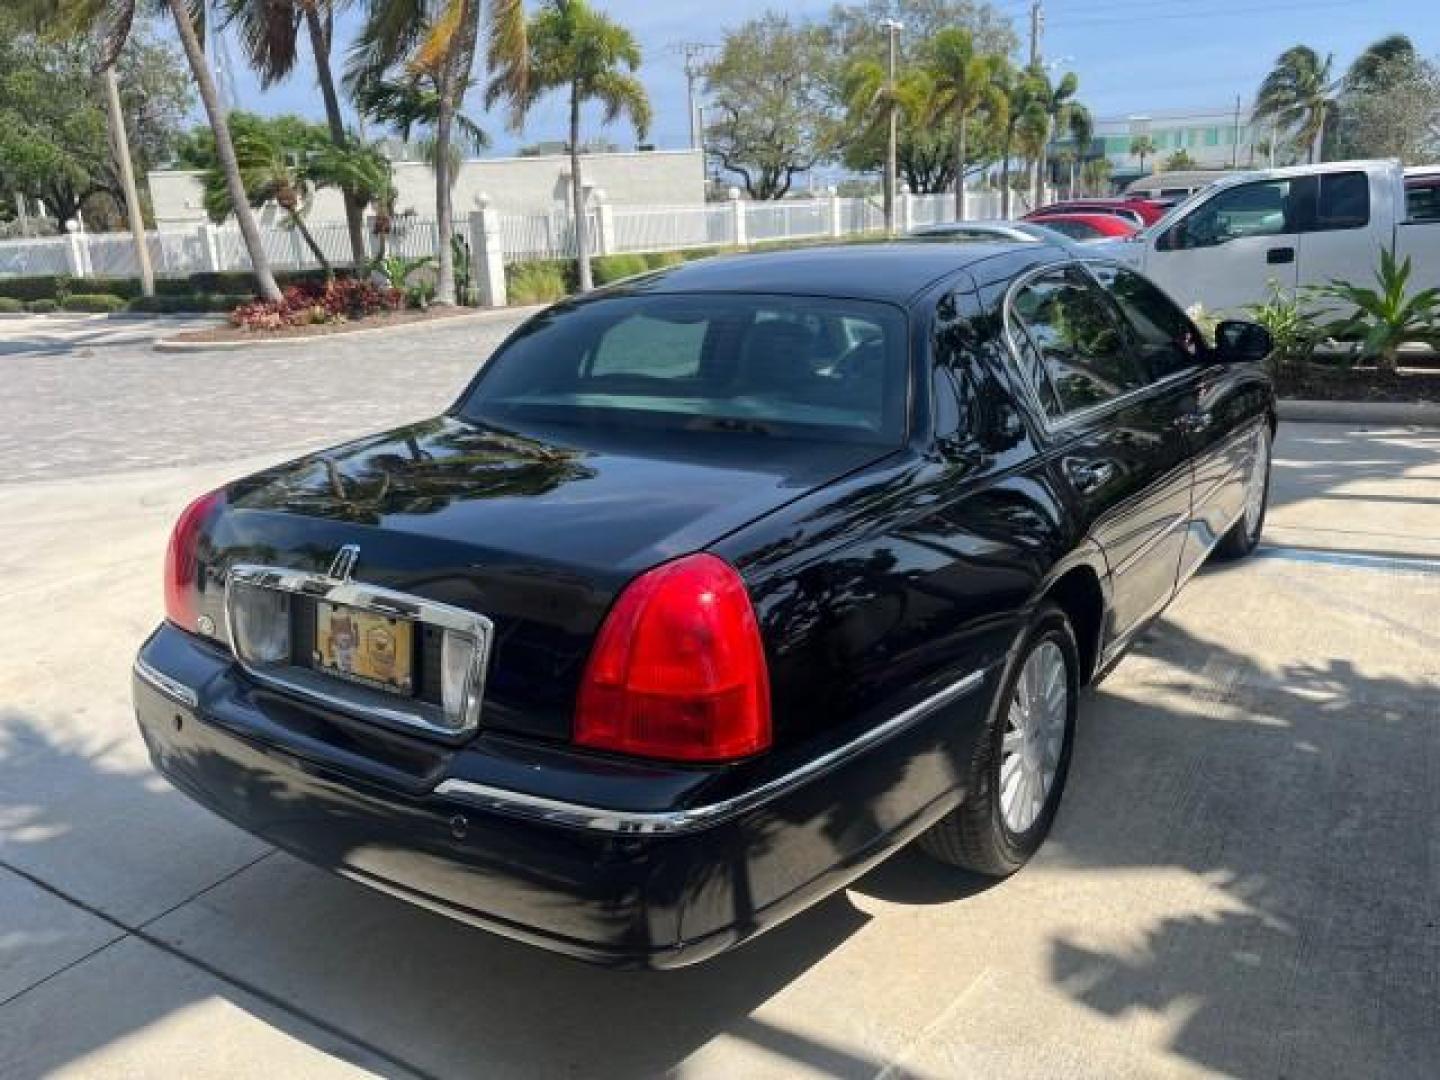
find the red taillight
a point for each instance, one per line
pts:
(182, 585)
(678, 670)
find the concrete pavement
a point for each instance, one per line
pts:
(1242, 880)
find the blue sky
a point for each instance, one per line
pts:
(1132, 56)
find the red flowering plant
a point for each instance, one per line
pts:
(309, 303)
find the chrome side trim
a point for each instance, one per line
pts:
(368, 705)
(1179, 521)
(555, 811)
(171, 688)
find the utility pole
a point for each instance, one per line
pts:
(894, 28)
(1235, 147)
(1037, 27)
(120, 144)
(694, 53)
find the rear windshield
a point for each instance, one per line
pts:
(795, 366)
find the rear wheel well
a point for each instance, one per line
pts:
(1078, 594)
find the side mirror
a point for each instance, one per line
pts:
(1240, 342)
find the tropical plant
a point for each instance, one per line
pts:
(964, 84)
(536, 282)
(1142, 146)
(1095, 175)
(111, 22)
(591, 57)
(269, 34)
(869, 98)
(432, 45)
(366, 176)
(1025, 122)
(1383, 319)
(1291, 327)
(1062, 114)
(408, 103)
(272, 170)
(398, 270)
(1296, 95)
(1180, 159)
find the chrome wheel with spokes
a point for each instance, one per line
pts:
(1244, 535)
(1016, 771)
(1034, 737)
(1258, 483)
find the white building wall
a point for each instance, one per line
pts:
(515, 185)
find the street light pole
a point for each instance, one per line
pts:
(120, 144)
(893, 27)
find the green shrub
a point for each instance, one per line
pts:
(658, 260)
(43, 306)
(542, 281)
(93, 302)
(35, 287)
(226, 281)
(10, 306)
(222, 303)
(610, 268)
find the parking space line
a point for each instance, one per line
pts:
(1353, 559)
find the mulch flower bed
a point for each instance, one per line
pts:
(1320, 382)
(326, 329)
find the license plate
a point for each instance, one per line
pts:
(366, 648)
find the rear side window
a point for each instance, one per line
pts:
(1422, 202)
(793, 366)
(1072, 339)
(1344, 202)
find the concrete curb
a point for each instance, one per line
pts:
(1420, 413)
(488, 315)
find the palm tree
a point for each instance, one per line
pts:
(367, 175)
(269, 33)
(436, 41)
(1297, 95)
(579, 50)
(111, 20)
(272, 170)
(1142, 146)
(1024, 117)
(406, 104)
(1059, 104)
(964, 84)
(1371, 67)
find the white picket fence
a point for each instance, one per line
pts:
(513, 237)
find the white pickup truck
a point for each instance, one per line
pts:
(1306, 225)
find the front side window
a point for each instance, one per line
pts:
(794, 366)
(1166, 341)
(1259, 209)
(1073, 339)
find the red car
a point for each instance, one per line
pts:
(1149, 211)
(1085, 226)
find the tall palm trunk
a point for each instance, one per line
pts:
(444, 211)
(224, 150)
(297, 222)
(1005, 178)
(320, 47)
(960, 155)
(577, 196)
(1317, 144)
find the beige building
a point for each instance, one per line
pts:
(520, 185)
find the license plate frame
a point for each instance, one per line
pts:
(367, 648)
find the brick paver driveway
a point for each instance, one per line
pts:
(1242, 879)
(86, 396)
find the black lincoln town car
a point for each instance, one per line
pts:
(711, 590)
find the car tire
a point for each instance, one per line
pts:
(1244, 535)
(997, 828)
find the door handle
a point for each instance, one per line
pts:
(1193, 421)
(1277, 256)
(1089, 476)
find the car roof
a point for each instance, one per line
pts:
(891, 272)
